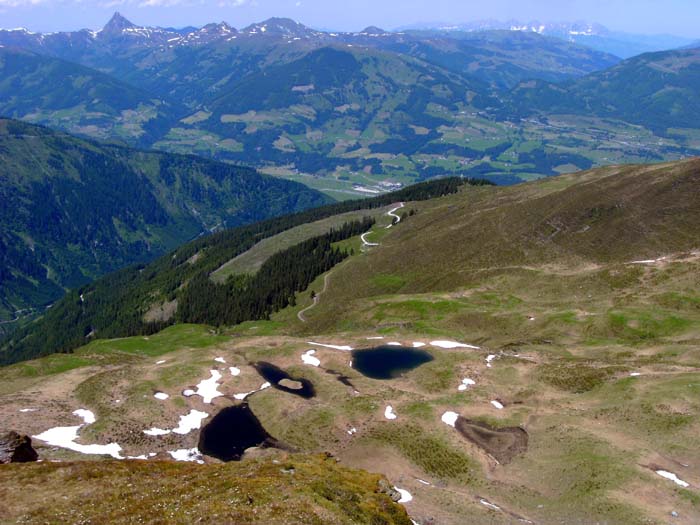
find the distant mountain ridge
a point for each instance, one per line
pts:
(590, 34)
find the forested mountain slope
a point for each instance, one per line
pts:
(74, 209)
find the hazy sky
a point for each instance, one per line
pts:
(643, 16)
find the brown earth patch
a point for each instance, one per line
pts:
(501, 443)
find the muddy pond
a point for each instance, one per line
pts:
(388, 362)
(231, 432)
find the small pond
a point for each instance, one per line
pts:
(388, 362)
(231, 432)
(281, 380)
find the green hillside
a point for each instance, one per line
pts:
(81, 209)
(145, 298)
(77, 99)
(561, 319)
(655, 90)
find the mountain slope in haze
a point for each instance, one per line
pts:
(50, 91)
(590, 35)
(656, 90)
(74, 209)
(503, 58)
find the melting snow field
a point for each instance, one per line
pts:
(190, 422)
(452, 344)
(187, 424)
(65, 437)
(187, 454)
(450, 418)
(489, 504)
(405, 495)
(156, 432)
(241, 397)
(309, 359)
(466, 383)
(389, 412)
(671, 476)
(334, 347)
(209, 388)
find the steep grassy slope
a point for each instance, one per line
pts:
(312, 490)
(50, 91)
(73, 210)
(610, 215)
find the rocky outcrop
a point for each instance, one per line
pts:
(16, 448)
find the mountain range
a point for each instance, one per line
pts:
(348, 111)
(595, 36)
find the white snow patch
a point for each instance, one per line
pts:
(241, 397)
(452, 344)
(422, 481)
(190, 422)
(450, 418)
(671, 476)
(466, 383)
(87, 415)
(352, 431)
(65, 437)
(160, 362)
(156, 432)
(489, 504)
(389, 412)
(209, 388)
(25, 410)
(418, 344)
(394, 343)
(334, 347)
(635, 374)
(188, 392)
(161, 395)
(309, 359)
(187, 454)
(235, 371)
(489, 358)
(497, 404)
(405, 495)
(375, 338)
(220, 360)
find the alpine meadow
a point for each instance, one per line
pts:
(441, 273)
